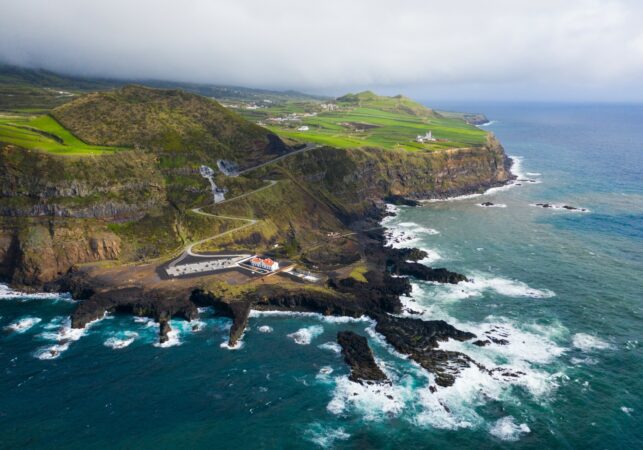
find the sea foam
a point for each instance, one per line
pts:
(60, 331)
(374, 401)
(121, 340)
(22, 325)
(480, 283)
(506, 429)
(324, 436)
(587, 342)
(331, 346)
(6, 293)
(304, 336)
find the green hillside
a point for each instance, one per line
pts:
(45, 133)
(367, 120)
(176, 124)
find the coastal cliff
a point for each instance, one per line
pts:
(140, 205)
(134, 204)
(353, 179)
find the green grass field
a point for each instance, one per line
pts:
(368, 120)
(46, 134)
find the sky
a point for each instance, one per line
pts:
(549, 50)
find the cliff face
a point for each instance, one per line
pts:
(55, 211)
(123, 185)
(353, 179)
(36, 253)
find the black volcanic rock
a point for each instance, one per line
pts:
(240, 314)
(164, 329)
(401, 200)
(360, 302)
(422, 272)
(486, 204)
(419, 339)
(135, 300)
(358, 355)
(567, 207)
(410, 254)
(403, 261)
(573, 208)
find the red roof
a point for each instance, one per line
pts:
(255, 260)
(268, 261)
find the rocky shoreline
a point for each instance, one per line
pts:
(359, 357)
(378, 299)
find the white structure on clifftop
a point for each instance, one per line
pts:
(428, 137)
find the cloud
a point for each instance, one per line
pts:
(503, 48)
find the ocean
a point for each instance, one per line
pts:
(563, 288)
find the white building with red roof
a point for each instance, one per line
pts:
(264, 263)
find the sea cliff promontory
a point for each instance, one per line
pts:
(109, 200)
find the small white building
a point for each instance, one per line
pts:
(428, 137)
(303, 128)
(264, 263)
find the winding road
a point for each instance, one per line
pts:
(279, 158)
(188, 251)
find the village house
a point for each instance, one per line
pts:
(266, 263)
(303, 128)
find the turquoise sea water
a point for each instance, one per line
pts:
(564, 288)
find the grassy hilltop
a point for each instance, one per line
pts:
(171, 122)
(366, 120)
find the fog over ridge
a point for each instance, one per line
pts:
(577, 49)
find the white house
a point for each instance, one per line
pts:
(303, 128)
(266, 263)
(428, 137)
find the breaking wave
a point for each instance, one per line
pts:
(325, 436)
(374, 401)
(331, 346)
(480, 283)
(121, 340)
(59, 330)
(587, 342)
(330, 319)
(304, 336)
(22, 325)
(6, 293)
(511, 356)
(226, 344)
(409, 234)
(506, 429)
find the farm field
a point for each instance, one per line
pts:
(46, 134)
(366, 120)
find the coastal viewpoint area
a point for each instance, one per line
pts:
(297, 229)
